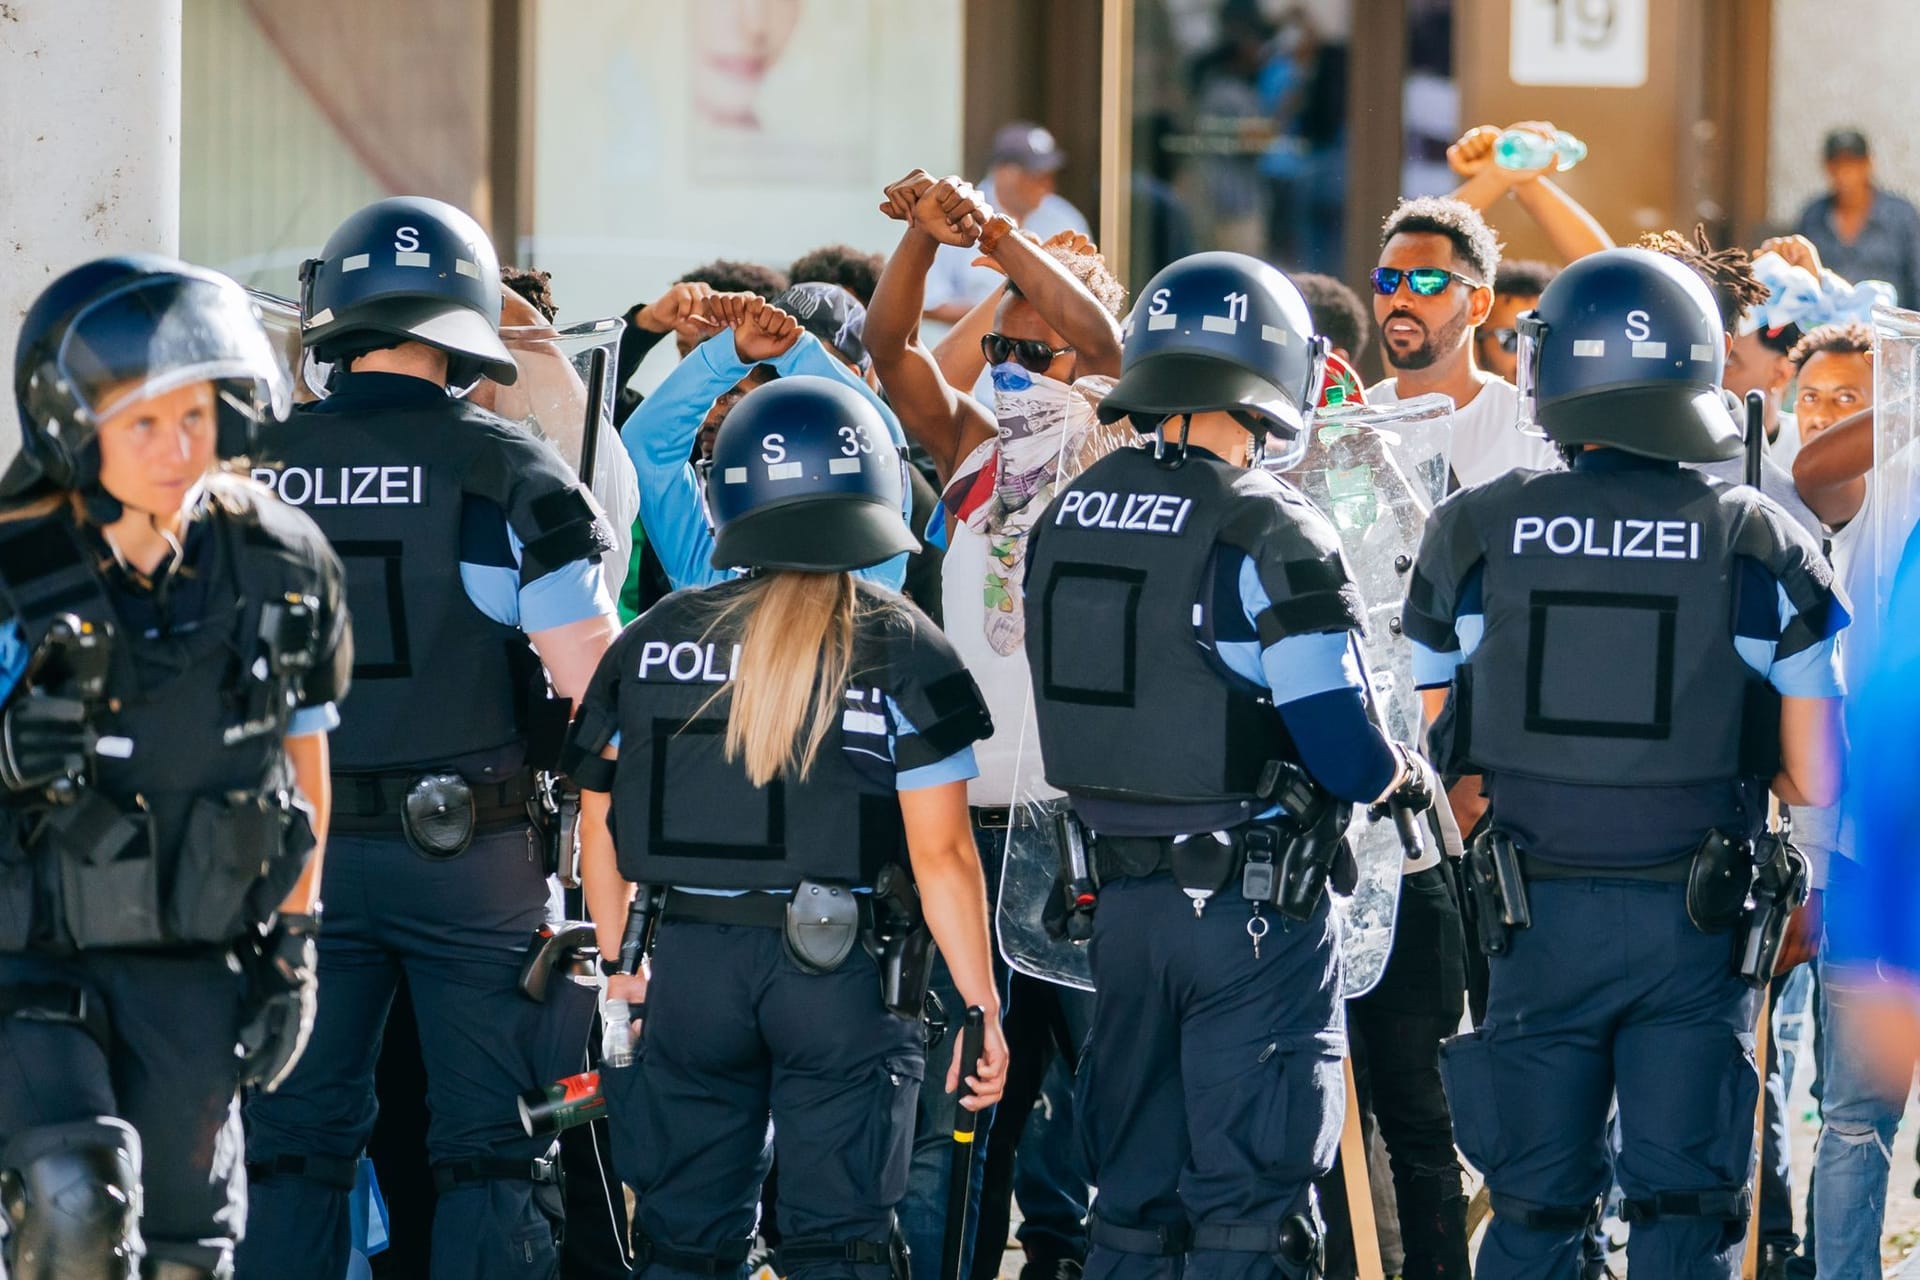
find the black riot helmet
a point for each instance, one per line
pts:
(408, 269)
(1626, 349)
(119, 330)
(1220, 332)
(805, 476)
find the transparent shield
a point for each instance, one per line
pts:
(1376, 472)
(1036, 934)
(1895, 483)
(282, 319)
(565, 391)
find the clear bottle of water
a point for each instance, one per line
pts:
(1525, 149)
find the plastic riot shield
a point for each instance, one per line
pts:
(565, 395)
(1894, 486)
(1376, 472)
(1042, 919)
(565, 389)
(282, 318)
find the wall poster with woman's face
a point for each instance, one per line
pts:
(671, 132)
(770, 91)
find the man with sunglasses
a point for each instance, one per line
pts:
(999, 466)
(1432, 291)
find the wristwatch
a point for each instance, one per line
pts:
(996, 230)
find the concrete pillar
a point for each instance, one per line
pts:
(89, 146)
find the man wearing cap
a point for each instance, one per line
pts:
(1862, 231)
(1021, 172)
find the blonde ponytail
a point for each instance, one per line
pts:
(790, 679)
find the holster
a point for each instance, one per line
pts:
(1718, 880)
(901, 943)
(1781, 883)
(438, 815)
(822, 925)
(1068, 914)
(1498, 889)
(1309, 844)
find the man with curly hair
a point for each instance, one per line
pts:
(1432, 291)
(842, 264)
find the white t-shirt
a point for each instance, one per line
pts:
(1487, 440)
(1009, 760)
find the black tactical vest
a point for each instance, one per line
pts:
(437, 682)
(684, 815)
(205, 840)
(1608, 654)
(1130, 706)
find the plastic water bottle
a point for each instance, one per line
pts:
(1525, 149)
(616, 1044)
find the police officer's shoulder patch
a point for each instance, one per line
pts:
(1297, 555)
(901, 651)
(542, 497)
(1768, 533)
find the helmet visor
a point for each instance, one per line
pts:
(166, 332)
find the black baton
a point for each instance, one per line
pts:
(590, 430)
(1756, 434)
(960, 1173)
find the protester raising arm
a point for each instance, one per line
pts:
(661, 433)
(1573, 231)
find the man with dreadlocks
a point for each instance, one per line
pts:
(1736, 291)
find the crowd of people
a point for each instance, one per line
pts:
(323, 720)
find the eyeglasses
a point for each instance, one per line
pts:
(1424, 281)
(1030, 354)
(1509, 339)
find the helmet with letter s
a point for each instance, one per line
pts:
(806, 476)
(1221, 332)
(1626, 349)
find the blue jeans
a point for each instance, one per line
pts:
(923, 1212)
(1856, 1146)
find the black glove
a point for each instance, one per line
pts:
(282, 983)
(1419, 786)
(43, 739)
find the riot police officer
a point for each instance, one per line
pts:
(1636, 651)
(472, 561)
(785, 758)
(1191, 631)
(172, 645)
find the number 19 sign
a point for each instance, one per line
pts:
(1598, 43)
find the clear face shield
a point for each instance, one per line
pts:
(1532, 333)
(159, 334)
(565, 391)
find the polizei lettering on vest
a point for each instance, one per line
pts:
(688, 662)
(1127, 512)
(346, 486)
(1608, 539)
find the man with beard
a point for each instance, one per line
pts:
(999, 469)
(1432, 290)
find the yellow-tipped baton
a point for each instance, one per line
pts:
(973, 1036)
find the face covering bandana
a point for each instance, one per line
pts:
(1048, 433)
(1037, 417)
